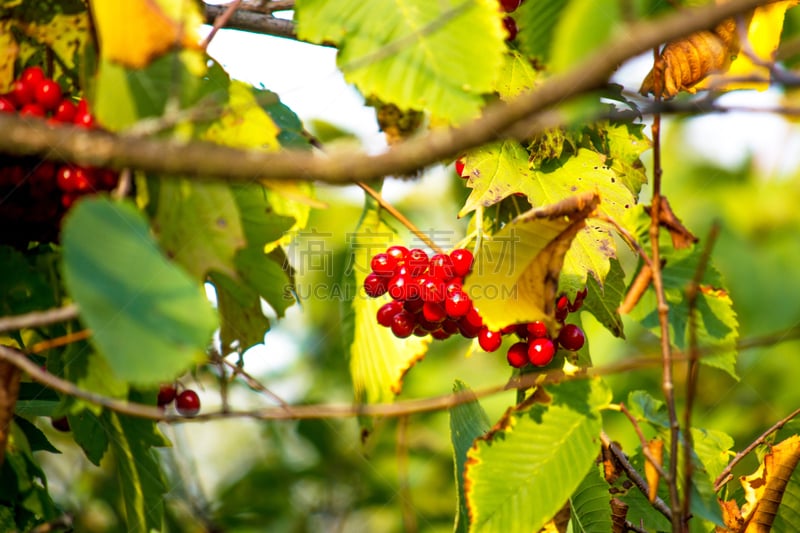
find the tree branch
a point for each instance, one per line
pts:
(39, 318)
(172, 157)
(252, 21)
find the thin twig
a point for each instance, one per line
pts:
(643, 441)
(37, 319)
(400, 217)
(252, 21)
(641, 484)
(255, 384)
(667, 383)
(693, 368)
(69, 338)
(221, 21)
(725, 475)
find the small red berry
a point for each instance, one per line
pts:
(65, 111)
(433, 312)
(457, 304)
(460, 167)
(431, 289)
(7, 105)
(413, 306)
(387, 311)
(489, 340)
(84, 120)
(403, 324)
(510, 6)
(48, 94)
(166, 394)
(61, 424)
(537, 329)
(383, 263)
(32, 76)
(32, 110)
(517, 354)
(375, 285)
(440, 334)
(22, 92)
(571, 337)
(441, 266)
(511, 27)
(399, 253)
(417, 261)
(541, 351)
(462, 261)
(188, 403)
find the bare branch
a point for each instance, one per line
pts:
(36, 319)
(252, 21)
(172, 157)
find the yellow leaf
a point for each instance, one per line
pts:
(135, 32)
(10, 50)
(656, 448)
(243, 122)
(378, 359)
(515, 276)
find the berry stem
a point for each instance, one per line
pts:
(400, 217)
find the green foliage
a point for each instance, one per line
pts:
(583, 27)
(413, 54)
(589, 505)
(127, 289)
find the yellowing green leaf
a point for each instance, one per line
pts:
(516, 272)
(517, 76)
(243, 122)
(438, 56)
(135, 32)
(583, 28)
(378, 359)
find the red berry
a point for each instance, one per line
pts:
(433, 312)
(398, 287)
(474, 318)
(460, 167)
(7, 105)
(166, 394)
(517, 354)
(84, 120)
(399, 253)
(511, 27)
(32, 76)
(374, 285)
(32, 110)
(69, 198)
(562, 308)
(417, 261)
(48, 94)
(383, 264)
(65, 111)
(403, 324)
(510, 6)
(441, 266)
(454, 285)
(188, 403)
(522, 331)
(571, 337)
(462, 261)
(541, 351)
(457, 304)
(450, 326)
(61, 424)
(22, 92)
(387, 311)
(537, 329)
(431, 289)
(467, 329)
(413, 306)
(440, 334)
(489, 340)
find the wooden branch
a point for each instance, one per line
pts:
(171, 157)
(252, 21)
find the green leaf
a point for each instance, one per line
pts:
(468, 421)
(22, 288)
(141, 480)
(198, 226)
(91, 433)
(378, 359)
(37, 441)
(242, 321)
(126, 289)
(537, 23)
(267, 277)
(644, 407)
(713, 448)
(590, 507)
(261, 222)
(789, 510)
(36, 400)
(244, 122)
(413, 54)
(602, 302)
(583, 27)
(515, 275)
(520, 474)
(91, 371)
(717, 327)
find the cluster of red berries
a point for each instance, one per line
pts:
(427, 294)
(427, 298)
(187, 402)
(536, 346)
(509, 6)
(36, 193)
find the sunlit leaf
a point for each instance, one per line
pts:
(517, 76)
(244, 123)
(133, 33)
(602, 302)
(764, 488)
(241, 319)
(126, 289)
(378, 359)
(506, 470)
(413, 54)
(537, 23)
(515, 277)
(583, 28)
(468, 421)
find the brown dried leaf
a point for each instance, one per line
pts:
(731, 516)
(765, 487)
(619, 516)
(686, 61)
